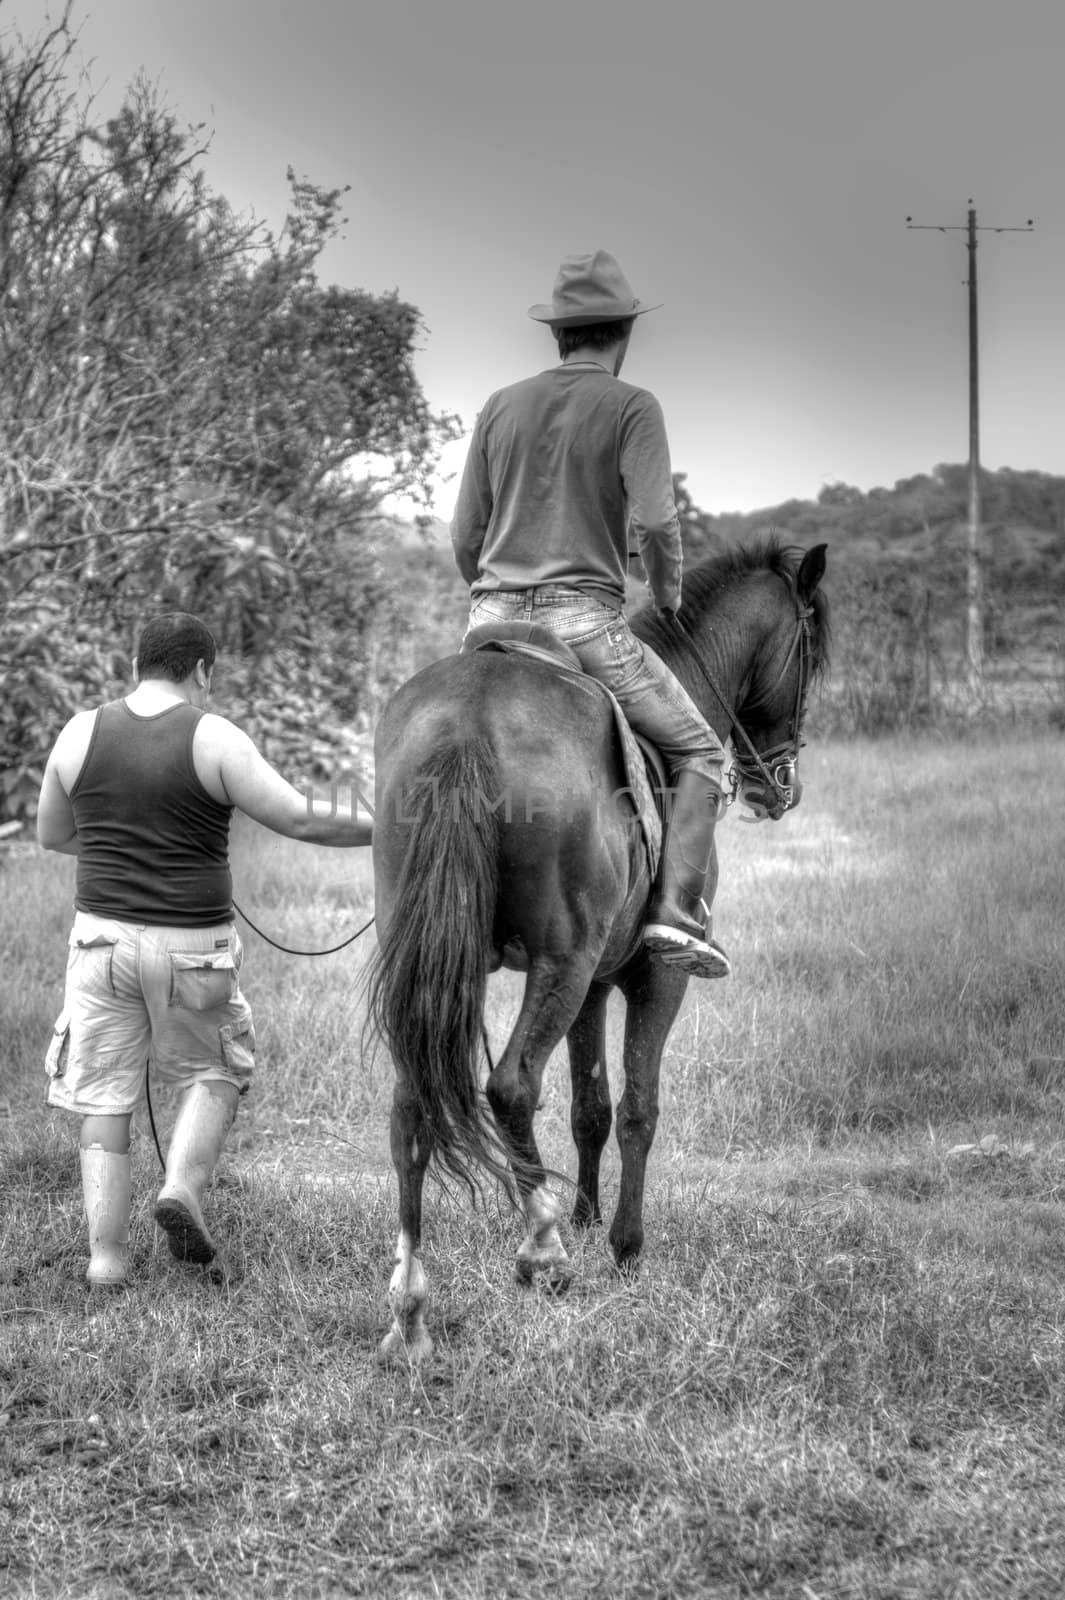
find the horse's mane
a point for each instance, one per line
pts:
(714, 572)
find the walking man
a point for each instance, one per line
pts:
(142, 790)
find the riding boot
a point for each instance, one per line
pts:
(105, 1184)
(678, 920)
(204, 1118)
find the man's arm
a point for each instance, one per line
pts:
(473, 508)
(55, 814)
(653, 522)
(248, 781)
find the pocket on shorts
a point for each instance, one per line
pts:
(58, 1052)
(202, 980)
(238, 1048)
(90, 964)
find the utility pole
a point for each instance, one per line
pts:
(974, 569)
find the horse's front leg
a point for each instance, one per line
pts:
(408, 1336)
(590, 1110)
(653, 991)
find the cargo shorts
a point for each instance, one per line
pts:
(136, 992)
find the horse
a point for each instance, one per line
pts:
(511, 858)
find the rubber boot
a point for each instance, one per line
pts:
(678, 920)
(105, 1184)
(204, 1118)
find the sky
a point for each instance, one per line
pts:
(751, 165)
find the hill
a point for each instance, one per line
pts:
(898, 569)
(897, 579)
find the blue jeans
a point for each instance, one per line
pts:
(653, 701)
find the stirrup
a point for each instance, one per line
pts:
(699, 958)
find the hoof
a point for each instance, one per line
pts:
(556, 1284)
(106, 1273)
(395, 1349)
(551, 1277)
(106, 1287)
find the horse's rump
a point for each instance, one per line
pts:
(510, 746)
(495, 826)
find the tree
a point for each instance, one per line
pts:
(182, 404)
(840, 494)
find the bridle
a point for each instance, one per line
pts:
(780, 762)
(777, 767)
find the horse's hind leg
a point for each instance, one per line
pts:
(590, 1113)
(554, 993)
(411, 1147)
(653, 991)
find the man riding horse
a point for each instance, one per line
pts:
(567, 472)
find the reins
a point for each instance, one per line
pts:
(788, 750)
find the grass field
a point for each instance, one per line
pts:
(840, 1376)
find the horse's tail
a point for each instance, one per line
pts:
(429, 979)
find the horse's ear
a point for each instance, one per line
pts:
(811, 571)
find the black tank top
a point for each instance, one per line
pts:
(153, 845)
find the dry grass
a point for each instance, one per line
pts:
(840, 1375)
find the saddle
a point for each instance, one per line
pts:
(530, 638)
(645, 768)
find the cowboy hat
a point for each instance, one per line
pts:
(589, 288)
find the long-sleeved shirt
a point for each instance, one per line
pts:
(567, 471)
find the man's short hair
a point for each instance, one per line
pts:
(592, 336)
(170, 646)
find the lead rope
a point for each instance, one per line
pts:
(151, 1117)
(289, 951)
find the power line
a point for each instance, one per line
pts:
(974, 581)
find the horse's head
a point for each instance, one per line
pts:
(767, 728)
(751, 637)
